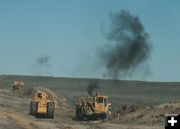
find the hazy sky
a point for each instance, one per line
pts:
(69, 33)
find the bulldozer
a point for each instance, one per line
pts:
(18, 85)
(93, 107)
(43, 103)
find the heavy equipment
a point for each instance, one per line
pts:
(43, 103)
(92, 107)
(18, 85)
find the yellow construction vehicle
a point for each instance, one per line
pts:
(92, 107)
(17, 85)
(42, 104)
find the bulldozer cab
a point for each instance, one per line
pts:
(101, 99)
(101, 104)
(41, 95)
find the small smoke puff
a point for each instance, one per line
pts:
(43, 60)
(42, 65)
(128, 46)
(93, 85)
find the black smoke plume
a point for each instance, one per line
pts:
(93, 85)
(129, 45)
(42, 64)
(43, 60)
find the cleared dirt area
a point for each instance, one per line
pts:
(141, 105)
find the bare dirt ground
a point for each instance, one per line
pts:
(140, 107)
(14, 114)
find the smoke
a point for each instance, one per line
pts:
(128, 46)
(43, 60)
(42, 65)
(93, 85)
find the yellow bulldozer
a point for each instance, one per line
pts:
(18, 85)
(92, 107)
(43, 103)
